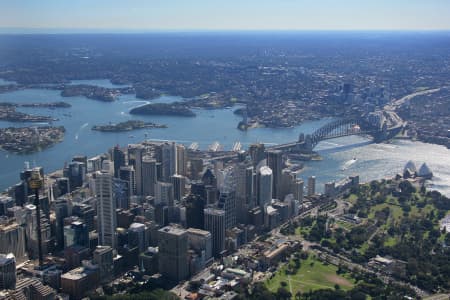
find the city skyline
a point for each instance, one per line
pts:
(140, 16)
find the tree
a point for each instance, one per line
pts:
(283, 294)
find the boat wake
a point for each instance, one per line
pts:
(348, 164)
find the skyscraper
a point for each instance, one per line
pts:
(173, 253)
(244, 191)
(311, 185)
(127, 174)
(179, 186)
(135, 154)
(7, 271)
(12, 240)
(298, 190)
(227, 203)
(164, 193)
(169, 160)
(103, 257)
(215, 223)
(106, 209)
(149, 176)
(119, 160)
(181, 160)
(136, 236)
(256, 153)
(62, 211)
(265, 183)
(275, 163)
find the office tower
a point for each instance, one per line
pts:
(275, 163)
(7, 271)
(200, 241)
(103, 257)
(135, 154)
(61, 209)
(286, 183)
(76, 172)
(244, 191)
(127, 174)
(181, 160)
(76, 234)
(119, 160)
(215, 223)
(121, 194)
(63, 185)
(21, 191)
(5, 203)
(212, 195)
(12, 240)
(257, 153)
(78, 282)
(209, 178)
(179, 186)
(196, 168)
(195, 205)
(227, 203)
(86, 213)
(80, 158)
(31, 234)
(106, 209)
(149, 176)
(164, 193)
(173, 253)
(168, 160)
(311, 186)
(265, 183)
(137, 236)
(298, 190)
(94, 164)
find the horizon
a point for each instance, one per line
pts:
(86, 16)
(115, 31)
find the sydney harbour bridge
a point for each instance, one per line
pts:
(381, 127)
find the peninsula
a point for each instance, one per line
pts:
(172, 109)
(8, 113)
(127, 126)
(30, 139)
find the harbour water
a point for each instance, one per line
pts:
(341, 157)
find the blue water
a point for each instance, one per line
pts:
(208, 126)
(5, 82)
(373, 161)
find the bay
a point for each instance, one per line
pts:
(373, 161)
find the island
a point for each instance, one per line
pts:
(25, 140)
(127, 126)
(172, 109)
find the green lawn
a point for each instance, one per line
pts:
(345, 225)
(396, 211)
(309, 277)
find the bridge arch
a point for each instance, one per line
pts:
(335, 129)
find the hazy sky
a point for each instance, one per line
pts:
(225, 14)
